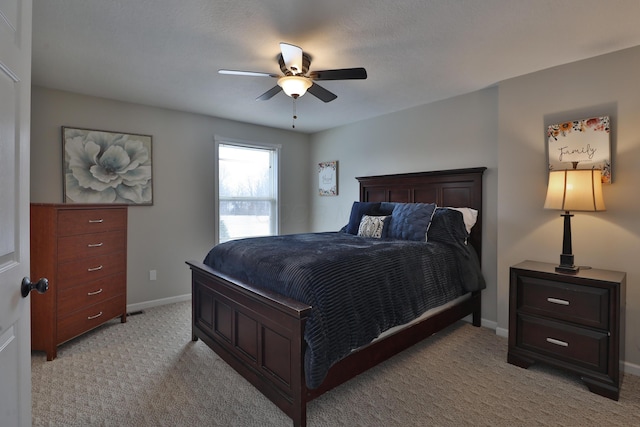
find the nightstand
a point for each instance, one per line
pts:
(572, 321)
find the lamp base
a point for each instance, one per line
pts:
(566, 265)
(567, 269)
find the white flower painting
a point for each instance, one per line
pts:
(106, 167)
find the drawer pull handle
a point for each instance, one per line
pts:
(95, 245)
(94, 317)
(96, 221)
(558, 342)
(558, 301)
(99, 291)
(95, 268)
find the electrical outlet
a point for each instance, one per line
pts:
(153, 274)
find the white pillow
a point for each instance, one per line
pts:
(371, 226)
(470, 217)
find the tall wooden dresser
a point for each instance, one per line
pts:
(82, 251)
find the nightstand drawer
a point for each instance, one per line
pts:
(584, 305)
(577, 346)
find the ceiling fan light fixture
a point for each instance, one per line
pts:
(294, 86)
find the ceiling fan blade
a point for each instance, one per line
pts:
(292, 57)
(247, 73)
(269, 94)
(342, 74)
(321, 93)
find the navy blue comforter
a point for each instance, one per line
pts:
(358, 287)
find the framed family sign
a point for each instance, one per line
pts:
(583, 144)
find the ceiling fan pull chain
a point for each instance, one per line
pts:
(293, 122)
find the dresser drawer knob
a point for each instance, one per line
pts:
(558, 301)
(94, 317)
(558, 342)
(95, 245)
(96, 221)
(95, 268)
(99, 291)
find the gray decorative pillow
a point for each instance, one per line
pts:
(371, 226)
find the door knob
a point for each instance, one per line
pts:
(27, 286)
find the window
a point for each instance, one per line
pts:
(247, 190)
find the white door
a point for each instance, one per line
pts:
(15, 111)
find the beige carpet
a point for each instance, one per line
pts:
(148, 372)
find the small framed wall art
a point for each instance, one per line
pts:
(328, 178)
(583, 144)
(106, 167)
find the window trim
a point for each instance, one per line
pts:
(216, 177)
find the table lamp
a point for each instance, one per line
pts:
(573, 190)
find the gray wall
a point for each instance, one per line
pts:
(180, 224)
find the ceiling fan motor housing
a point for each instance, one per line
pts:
(306, 62)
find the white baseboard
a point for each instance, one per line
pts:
(631, 368)
(157, 302)
(483, 322)
(502, 332)
(489, 324)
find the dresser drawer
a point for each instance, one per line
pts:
(85, 270)
(578, 346)
(81, 221)
(583, 305)
(90, 245)
(73, 299)
(90, 317)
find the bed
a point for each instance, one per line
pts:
(261, 332)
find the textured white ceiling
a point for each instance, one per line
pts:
(166, 53)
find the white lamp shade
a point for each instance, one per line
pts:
(575, 190)
(294, 86)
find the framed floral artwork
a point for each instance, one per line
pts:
(328, 178)
(583, 144)
(106, 167)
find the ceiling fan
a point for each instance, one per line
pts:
(296, 79)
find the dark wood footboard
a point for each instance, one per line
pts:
(260, 334)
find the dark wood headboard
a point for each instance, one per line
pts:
(458, 188)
